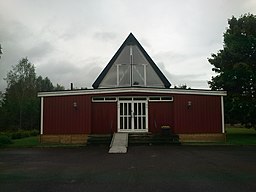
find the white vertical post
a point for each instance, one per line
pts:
(42, 116)
(137, 116)
(141, 115)
(123, 116)
(127, 116)
(222, 115)
(146, 115)
(117, 74)
(131, 63)
(118, 116)
(145, 75)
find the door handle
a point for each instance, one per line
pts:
(132, 114)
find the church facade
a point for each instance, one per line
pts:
(131, 95)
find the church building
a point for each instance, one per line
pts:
(131, 95)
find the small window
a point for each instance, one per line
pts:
(98, 99)
(110, 98)
(125, 99)
(104, 99)
(154, 98)
(140, 99)
(166, 98)
(161, 98)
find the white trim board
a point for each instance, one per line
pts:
(133, 90)
(222, 115)
(42, 117)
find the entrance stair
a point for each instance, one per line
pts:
(153, 139)
(119, 143)
(99, 139)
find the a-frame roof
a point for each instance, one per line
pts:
(153, 69)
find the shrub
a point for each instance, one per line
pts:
(34, 132)
(5, 140)
(20, 134)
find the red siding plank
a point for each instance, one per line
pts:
(203, 116)
(61, 117)
(104, 118)
(160, 113)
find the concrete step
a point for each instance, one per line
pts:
(119, 143)
(153, 139)
(99, 139)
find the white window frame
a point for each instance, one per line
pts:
(160, 98)
(103, 99)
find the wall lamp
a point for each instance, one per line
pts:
(189, 104)
(75, 104)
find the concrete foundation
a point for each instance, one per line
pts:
(64, 139)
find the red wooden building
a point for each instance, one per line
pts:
(131, 95)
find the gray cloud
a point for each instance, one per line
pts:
(40, 50)
(73, 41)
(105, 36)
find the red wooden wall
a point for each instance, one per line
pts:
(203, 116)
(159, 114)
(60, 116)
(104, 117)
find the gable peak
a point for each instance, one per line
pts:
(131, 66)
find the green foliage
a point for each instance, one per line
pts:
(59, 87)
(4, 140)
(44, 84)
(34, 132)
(26, 142)
(19, 105)
(20, 133)
(235, 65)
(241, 136)
(184, 86)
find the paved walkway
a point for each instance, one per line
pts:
(144, 168)
(119, 143)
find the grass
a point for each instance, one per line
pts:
(240, 136)
(35, 142)
(25, 142)
(235, 136)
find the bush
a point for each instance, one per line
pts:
(5, 140)
(34, 132)
(20, 134)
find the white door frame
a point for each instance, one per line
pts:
(132, 115)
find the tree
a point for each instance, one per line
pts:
(44, 84)
(235, 65)
(21, 92)
(19, 105)
(184, 86)
(0, 51)
(59, 87)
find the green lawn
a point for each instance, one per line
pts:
(235, 136)
(25, 142)
(35, 142)
(241, 136)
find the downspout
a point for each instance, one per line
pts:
(42, 116)
(222, 115)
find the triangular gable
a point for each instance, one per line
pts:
(131, 66)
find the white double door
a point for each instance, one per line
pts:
(132, 115)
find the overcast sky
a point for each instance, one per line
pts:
(72, 41)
